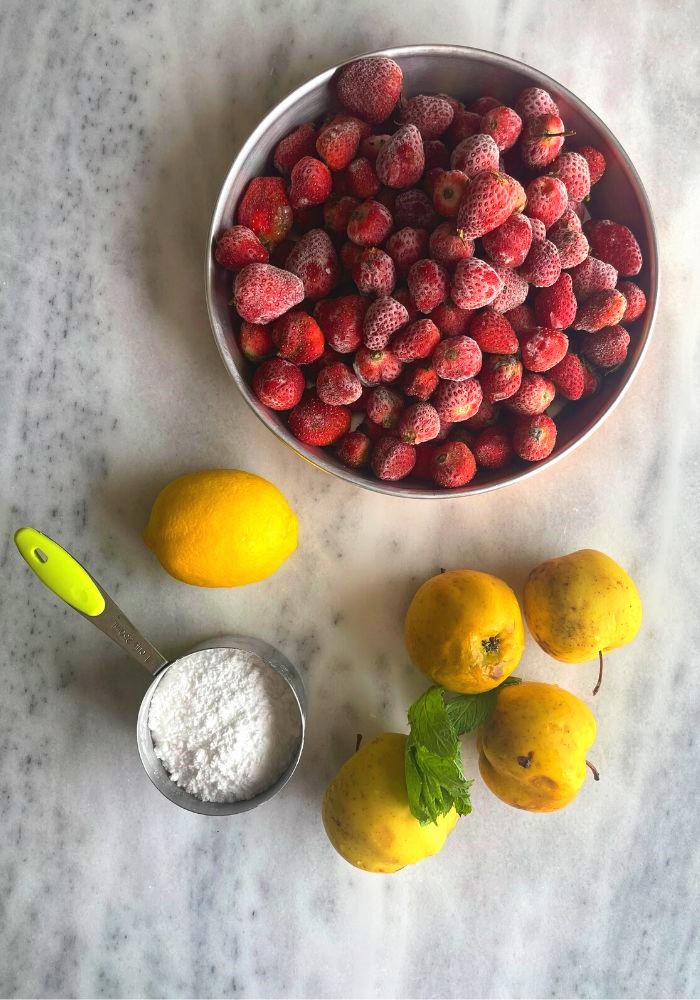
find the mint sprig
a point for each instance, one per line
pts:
(434, 774)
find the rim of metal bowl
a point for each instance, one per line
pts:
(318, 457)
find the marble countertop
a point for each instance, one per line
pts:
(118, 123)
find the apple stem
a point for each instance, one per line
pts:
(596, 689)
(358, 740)
(596, 773)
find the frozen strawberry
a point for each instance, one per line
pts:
(370, 224)
(514, 291)
(452, 465)
(362, 179)
(373, 367)
(591, 379)
(353, 449)
(384, 406)
(595, 160)
(370, 87)
(518, 195)
(350, 255)
(606, 348)
(418, 423)
(481, 105)
(430, 179)
(341, 321)
(485, 416)
(615, 244)
(457, 401)
(256, 341)
(475, 283)
(311, 183)
(539, 230)
(568, 376)
(604, 308)
(535, 101)
(403, 296)
(337, 212)
(457, 358)
(431, 114)
(579, 209)
(571, 244)
(406, 246)
(500, 376)
(278, 384)
(464, 124)
(416, 341)
(447, 247)
(414, 208)
(338, 385)
(436, 154)
(636, 300)
(338, 144)
(419, 381)
(534, 437)
(316, 423)
(542, 348)
(262, 292)
(383, 318)
(475, 154)
(492, 449)
(448, 191)
(288, 151)
(329, 357)
(298, 337)
(370, 146)
(534, 395)
(488, 200)
(315, 261)
(521, 318)
(424, 455)
(556, 306)
(392, 459)
(401, 160)
(572, 170)
(342, 117)
(450, 320)
(429, 284)
(592, 275)
(542, 265)
(265, 209)
(541, 139)
(547, 199)
(374, 272)
(239, 246)
(504, 125)
(510, 243)
(493, 333)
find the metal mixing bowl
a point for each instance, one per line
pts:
(465, 73)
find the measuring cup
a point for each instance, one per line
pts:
(70, 581)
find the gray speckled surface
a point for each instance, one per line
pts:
(118, 123)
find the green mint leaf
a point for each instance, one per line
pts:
(430, 724)
(469, 711)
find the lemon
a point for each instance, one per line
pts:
(221, 528)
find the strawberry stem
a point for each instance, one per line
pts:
(358, 740)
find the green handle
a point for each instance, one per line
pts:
(60, 572)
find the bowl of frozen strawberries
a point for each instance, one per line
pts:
(432, 271)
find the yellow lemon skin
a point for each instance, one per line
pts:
(532, 750)
(366, 814)
(221, 528)
(465, 631)
(581, 603)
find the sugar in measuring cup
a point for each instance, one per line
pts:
(176, 724)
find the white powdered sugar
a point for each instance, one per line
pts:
(224, 724)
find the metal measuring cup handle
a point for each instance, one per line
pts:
(67, 579)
